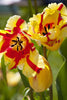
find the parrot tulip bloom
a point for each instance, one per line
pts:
(43, 80)
(18, 49)
(50, 26)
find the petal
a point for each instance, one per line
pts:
(4, 46)
(55, 45)
(64, 31)
(62, 9)
(27, 70)
(11, 53)
(4, 40)
(43, 80)
(12, 58)
(10, 62)
(13, 22)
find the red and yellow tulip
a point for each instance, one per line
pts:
(50, 26)
(18, 49)
(43, 80)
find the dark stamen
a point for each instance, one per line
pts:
(54, 27)
(48, 26)
(13, 44)
(14, 40)
(18, 42)
(20, 46)
(18, 38)
(44, 33)
(45, 29)
(17, 48)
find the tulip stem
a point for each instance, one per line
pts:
(51, 93)
(31, 94)
(35, 6)
(50, 89)
(30, 8)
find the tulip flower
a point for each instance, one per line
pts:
(17, 47)
(42, 80)
(50, 26)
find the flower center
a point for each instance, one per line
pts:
(46, 30)
(17, 43)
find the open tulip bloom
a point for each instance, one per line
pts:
(50, 26)
(17, 46)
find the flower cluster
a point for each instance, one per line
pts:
(48, 28)
(19, 51)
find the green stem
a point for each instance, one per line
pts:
(50, 89)
(51, 93)
(31, 94)
(35, 6)
(30, 8)
(42, 97)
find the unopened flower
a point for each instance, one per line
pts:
(50, 26)
(18, 49)
(43, 80)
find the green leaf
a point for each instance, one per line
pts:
(62, 83)
(63, 48)
(24, 79)
(26, 91)
(62, 76)
(3, 66)
(55, 60)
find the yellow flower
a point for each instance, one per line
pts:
(50, 26)
(43, 80)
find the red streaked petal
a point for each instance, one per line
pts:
(8, 30)
(5, 46)
(32, 65)
(32, 47)
(26, 33)
(59, 19)
(40, 25)
(19, 22)
(49, 24)
(14, 54)
(11, 53)
(63, 26)
(16, 30)
(60, 7)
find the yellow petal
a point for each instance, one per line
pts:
(9, 61)
(11, 23)
(43, 80)
(64, 31)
